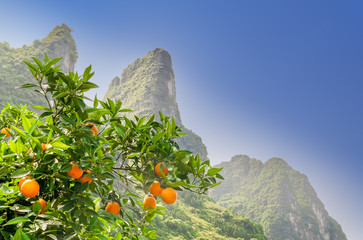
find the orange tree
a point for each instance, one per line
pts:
(43, 194)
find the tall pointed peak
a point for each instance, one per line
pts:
(147, 86)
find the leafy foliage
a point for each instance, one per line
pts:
(123, 154)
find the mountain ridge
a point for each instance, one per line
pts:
(276, 196)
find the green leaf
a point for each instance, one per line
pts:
(133, 155)
(36, 207)
(21, 132)
(179, 183)
(31, 66)
(86, 201)
(60, 94)
(27, 85)
(20, 235)
(60, 145)
(38, 62)
(95, 102)
(213, 171)
(216, 184)
(66, 168)
(17, 220)
(118, 236)
(33, 127)
(12, 146)
(100, 236)
(25, 123)
(158, 136)
(45, 114)
(5, 189)
(20, 173)
(85, 86)
(40, 107)
(107, 176)
(87, 73)
(119, 131)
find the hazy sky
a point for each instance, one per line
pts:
(262, 78)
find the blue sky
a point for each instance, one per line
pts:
(262, 78)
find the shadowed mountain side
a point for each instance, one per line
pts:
(279, 198)
(147, 86)
(13, 72)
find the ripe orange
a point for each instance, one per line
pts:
(6, 131)
(44, 204)
(22, 181)
(76, 172)
(155, 189)
(113, 207)
(30, 188)
(93, 128)
(149, 201)
(157, 170)
(168, 195)
(85, 178)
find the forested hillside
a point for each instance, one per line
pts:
(199, 217)
(278, 197)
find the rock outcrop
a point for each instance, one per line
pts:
(147, 86)
(13, 72)
(279, 198)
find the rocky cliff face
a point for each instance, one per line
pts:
(13, 72)
(147, 86)
(279, 198)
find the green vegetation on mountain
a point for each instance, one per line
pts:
(199, 217)
(13, 72)
(276, 196)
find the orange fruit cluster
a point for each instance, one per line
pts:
(168, 195)
(30, 187)
(77, 173)
(86, 178)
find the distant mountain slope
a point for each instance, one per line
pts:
(198, 217)
(13, 72)
(276, 196)
(147, 86)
